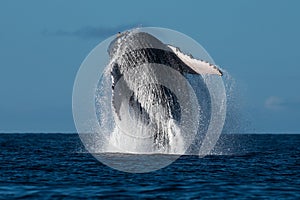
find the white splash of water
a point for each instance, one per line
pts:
(123, 143)
(134, 136)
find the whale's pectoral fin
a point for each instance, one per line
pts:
(118, 90)
(195, 66)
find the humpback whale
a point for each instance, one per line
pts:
(138, 58)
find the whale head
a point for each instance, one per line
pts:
(138, 58)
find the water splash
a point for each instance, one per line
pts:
(95, 118)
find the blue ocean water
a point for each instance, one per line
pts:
(55, 166)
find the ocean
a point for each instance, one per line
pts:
(242, 166)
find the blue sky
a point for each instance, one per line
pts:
(42, 44)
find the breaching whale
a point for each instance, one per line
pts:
(151, 103)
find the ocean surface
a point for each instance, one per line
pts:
(56, 166)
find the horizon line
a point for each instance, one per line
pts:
(57, 132)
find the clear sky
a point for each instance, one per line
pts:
(42, 44)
